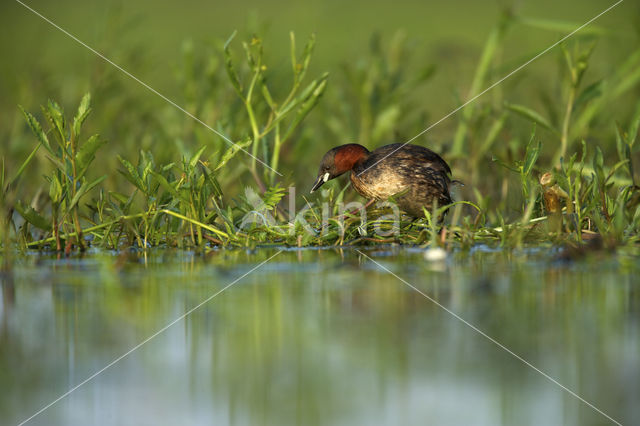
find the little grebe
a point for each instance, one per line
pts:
(415, 176)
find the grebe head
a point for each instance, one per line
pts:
(339, 160)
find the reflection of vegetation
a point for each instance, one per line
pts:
(185, 198)
(318, 340)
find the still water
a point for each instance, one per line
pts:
(320, 337)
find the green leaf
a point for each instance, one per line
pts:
(532, 153)
(57, 162)
(55, 115)
(615, 168)
(86, 187)
(267, 96)
(493, 133)
(630, 164)
(32, 216)
(124, 201)
(531, 115)
(625, 77)
(531, 158)
(253, 57)
(36, 128)
(307, 105)
(194, 160)
(121, 198)
(231, 152)
(627, 81)
(231, 71)
(425, 74)
(167, 186)
(561, 26)
(633, 127)
(620, 142)
(480, 77)
(294, 59)
(55, 189)
(504, 164)
(213, 182)
(86, 153)
(132, 175)
(598, 164)
(272, 196)
(583, 63)
(301, 70)
(385, 122)
(590, 92)
(81, 115)
(22, 168)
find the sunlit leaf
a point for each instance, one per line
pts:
(532, 115)
(36, 128)
(132, 174)
(194, 160)
(81, 114)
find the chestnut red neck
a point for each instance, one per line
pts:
(347, 156)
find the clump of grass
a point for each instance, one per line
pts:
(8, 202)
(271, 118)
(546, 193)
(181, 203)
(72, 159)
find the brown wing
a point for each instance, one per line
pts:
(420, 173)
(414, 153)
(403, 159)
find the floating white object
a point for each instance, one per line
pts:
(435, 254)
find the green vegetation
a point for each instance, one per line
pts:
(570, 179)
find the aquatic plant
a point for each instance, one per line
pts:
(72, 159)
(546, 192)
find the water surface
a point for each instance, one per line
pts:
(320, 337)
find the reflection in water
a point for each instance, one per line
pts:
(319, 337)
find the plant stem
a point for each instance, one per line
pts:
(56, 238)
(564, 139)
(56, 227)
(74, 181)
(276, 153)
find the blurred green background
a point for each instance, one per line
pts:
(393, 70)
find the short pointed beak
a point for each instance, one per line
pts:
(319, 182)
